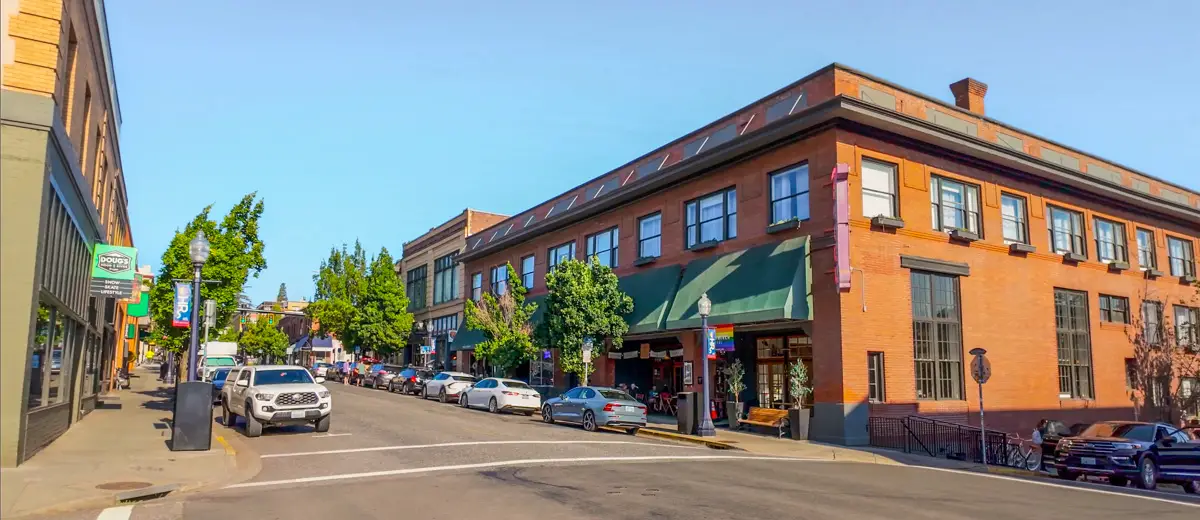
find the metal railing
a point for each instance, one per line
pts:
(916, 434)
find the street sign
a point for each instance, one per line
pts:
(210, 313)
(450, 334)
(427, 349)
(981, 369)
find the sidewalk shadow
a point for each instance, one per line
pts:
(164, 399)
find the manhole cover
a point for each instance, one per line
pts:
(123, 486)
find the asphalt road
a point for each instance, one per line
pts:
(391, 456)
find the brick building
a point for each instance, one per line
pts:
(434, 282)
(957, 231)
(62, 192)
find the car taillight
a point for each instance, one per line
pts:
(610, 407)
(413, 379)
(511, 393)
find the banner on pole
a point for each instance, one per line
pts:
(710, 334)
(724, 337)
(182, 316)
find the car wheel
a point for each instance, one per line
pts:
(442, 395)
(631, 431)
(407, 388)
(529, 413)
(391, 388)
(1067, 475)
(589, 421)
(254, 428)
(227, 417)
(492, 407)
(323, 423)
(1147, 474)
(1118, 481)
(1191, 487)
(425, 393)
(547, 415)
(462, 400)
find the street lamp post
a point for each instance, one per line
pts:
(706, 428)
(198, 249)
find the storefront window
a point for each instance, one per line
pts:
(541, 370)
(56, 388)
(37, 357)
(774, 356)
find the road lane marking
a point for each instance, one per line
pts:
(515, 462)
(116, 513)
(1063, 486)
(453, 444)
(331, 435)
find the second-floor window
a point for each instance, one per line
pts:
(445, 281)
(1183, 261)
(603, 246)
(879, 189)
(527, 272)
(789, 194)
(712, 218)
(1014, 219)
(955, 205)
(650, 236)
(1110, 241)
(414, 287)
(500, 279)
(477, 286)
(1151, 322)
(1147, 255)
(559, 254)
(1187, 326)
(1066, 231)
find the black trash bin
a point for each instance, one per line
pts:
(686, 414)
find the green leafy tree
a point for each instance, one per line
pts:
(340, 289)
(264, 341)
(282, 297)
(382, 322)
(584, 301)
(236, 255)
(504, 321)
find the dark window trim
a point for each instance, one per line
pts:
(802, 187)
(1106, 309)
(550, 265)
(879, 379)
(726, 232)
(1077, 241)
(613, 251)
(478, 275)
(1074, 391)
(1153, 264)
(1022, 222)
(938, 209)
(416, 285)
(642, 240)
(936, 338)
(441, 265)
(1120, 243)
(532, 272)
(493, 278)
(1189, 262)
(934, 265)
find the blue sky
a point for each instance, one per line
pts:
(379, 119)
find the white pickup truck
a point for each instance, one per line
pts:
(275, 395)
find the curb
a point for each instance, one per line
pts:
(1014, 472)
(714, 444)
(225, 444)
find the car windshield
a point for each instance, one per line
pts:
(468, 379)
(281, 377)
(220, 362)
(220, 375)
(516, 384)
(1137, 432)
(608, 393)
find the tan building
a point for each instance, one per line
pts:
(434, 282)
(62, 192)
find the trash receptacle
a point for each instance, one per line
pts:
(686, 414)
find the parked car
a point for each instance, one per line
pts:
(334, 373)
(217, 378)
(594, 407)
(275, 395)
(1147, 453)
(501, 395)
(322, 370)
(1051, 432)
(410, 380)
(380, 378)
(447, 385)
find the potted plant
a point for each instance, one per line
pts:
(798, 415)
(735, 384)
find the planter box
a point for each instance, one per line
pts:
(704, 245)
(780, 227)
(1118, 266)
(733, 411)
(645, 260)
(1153, 273)
(1073, 257)
(1021, 248)
(963, 235)
(887, 222)
(798, 419)
(1188, 279)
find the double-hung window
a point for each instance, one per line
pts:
(527, 272)
(1014, 219)
(1187, 326)
(1066, 231)
(477, 286)
(789, 194)
(1181, 257)
(1152, 323)
(1074, 344)
(650, 236)
(415, 288)
(937, 336)
(1114, 309)
(603, 246)
(559, 254)
(955, 205)
(879, 189)
(1110, 241)
(445, 281)
(500, 279)
(712, 218)
(1147, 254)
(875, 382)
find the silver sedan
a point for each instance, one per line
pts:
(593, 407)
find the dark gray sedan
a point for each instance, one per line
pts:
(593, 407)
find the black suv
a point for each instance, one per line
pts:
(410, 380)
(1146, 453)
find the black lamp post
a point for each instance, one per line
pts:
(198, 249)
(706, 428)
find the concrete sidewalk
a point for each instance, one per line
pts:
(120, 449)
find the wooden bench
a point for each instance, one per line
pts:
(766, 417)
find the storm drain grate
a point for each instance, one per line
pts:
(123, 486)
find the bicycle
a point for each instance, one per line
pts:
(1021, 456)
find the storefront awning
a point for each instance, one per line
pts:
(466, 339)
(652, 292)
(763, 283)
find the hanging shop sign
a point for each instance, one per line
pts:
(632, 354)
(841, 219)
(661, 354)
(113, 272)
(182, 315)
(644, 351)
(687, 373)
(615, 355)
(676, 353)
(724, 337)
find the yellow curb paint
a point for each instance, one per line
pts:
(225, 444)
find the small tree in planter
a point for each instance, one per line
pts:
(735, 383)
(800, 387)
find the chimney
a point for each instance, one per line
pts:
(969, 93)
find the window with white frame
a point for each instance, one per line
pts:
(603, 246)
(879, 189)
(789, 194)
(650, 236)
(955, 205)
(712, 218)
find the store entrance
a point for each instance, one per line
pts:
(648, 368)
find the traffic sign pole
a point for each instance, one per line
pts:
(981, 371)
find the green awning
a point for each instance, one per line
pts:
(763, 283)
(652, 292)
(466, 339)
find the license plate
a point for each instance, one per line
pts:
(629, 408)
(298, 414)
(1087, 461)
